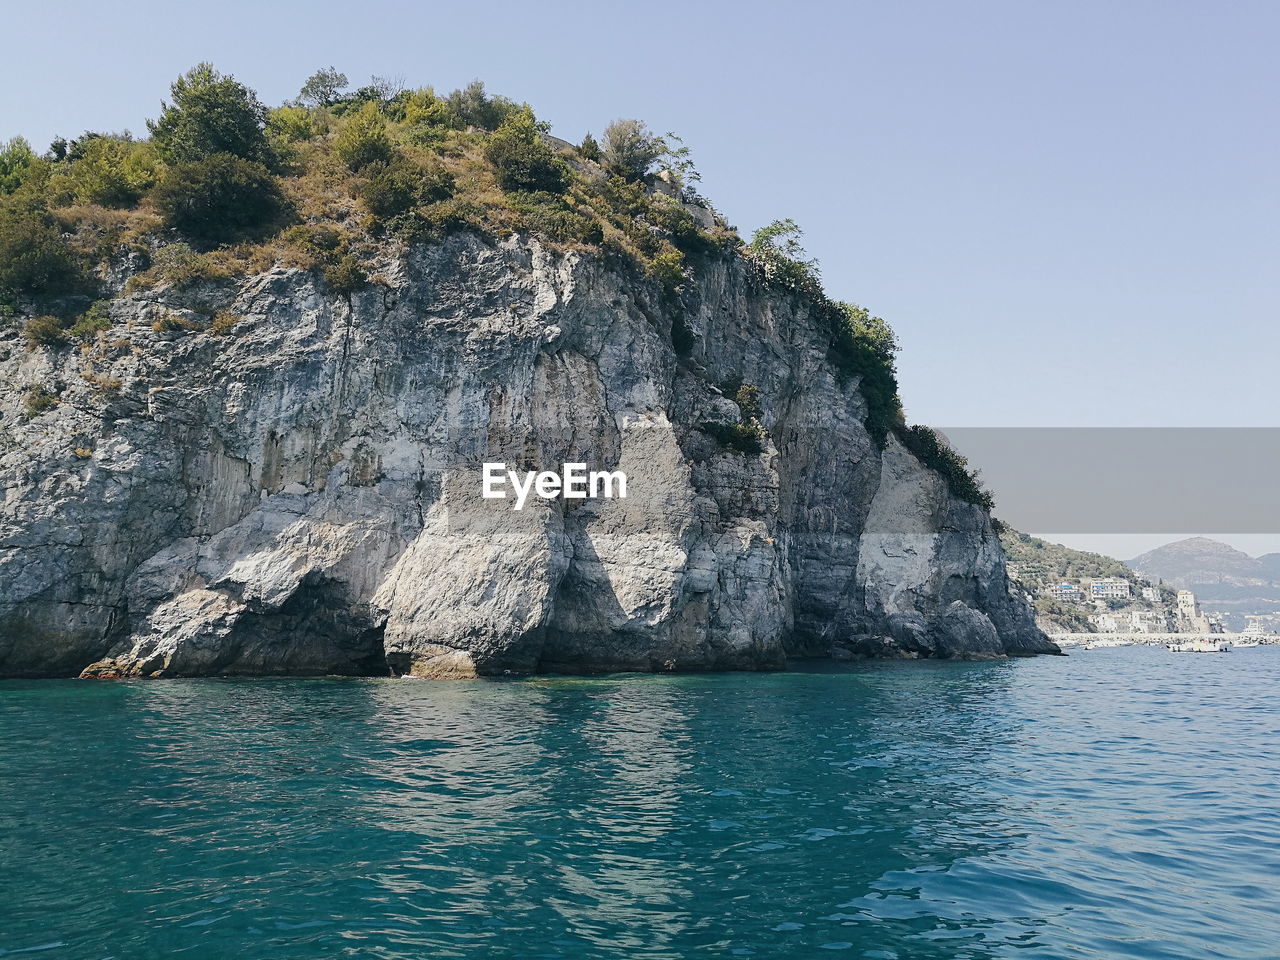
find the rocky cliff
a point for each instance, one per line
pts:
(301, 493)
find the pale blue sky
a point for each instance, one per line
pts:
(1069, 211)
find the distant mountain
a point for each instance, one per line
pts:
(1225, 580)
(1204, 562)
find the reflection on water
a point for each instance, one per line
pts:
(1088, 807)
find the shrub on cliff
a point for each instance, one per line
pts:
(746, 436)
(935, 453)
(211, 114)
(180, 266)
(747, 397)
(551, 215)
(866, 347)
(35, 258)
(667, 214)
(522, 160)
(667, 267)
(433, 221)
(364, 139)
(111, 171)
(392, 188)
(346, 276)
(92, 322)
(219, 199)
(45, 332)
(36, 400)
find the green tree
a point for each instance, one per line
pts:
(422, 108)
(589, 148)
(472, 107)
(211, 114)
(363, 139)
(291, 124)
(323, 88)
(108, 170)
(782, 238)
(219, 199)
(629, 149)
(676, 162)
(872, 331)
(777, 250)
(16, 158)
(522, 160)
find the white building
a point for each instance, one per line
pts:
(1109, 588)
(1070, 592)
(1190, 618)
(1151, 594)
(1146, 621)
(1105, 622)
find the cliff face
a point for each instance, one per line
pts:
(302, 493)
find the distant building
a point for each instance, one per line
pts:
(1151, 594)
(1190, 618)
(1069, 592)
(1146, 621)
(1109, 588)
(1105, 622)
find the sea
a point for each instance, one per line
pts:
(1114, 803)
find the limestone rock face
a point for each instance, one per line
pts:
(302, 494)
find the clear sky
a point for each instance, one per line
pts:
(1069, 211)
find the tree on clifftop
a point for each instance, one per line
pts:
(522, 160)
(211, 113)
(323, 88)
(629, 149)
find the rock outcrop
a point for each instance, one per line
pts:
(301, 494)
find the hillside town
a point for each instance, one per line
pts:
(1119, 605)
(1075, 591)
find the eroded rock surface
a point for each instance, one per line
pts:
(302, 494)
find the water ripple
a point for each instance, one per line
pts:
(1115, 804)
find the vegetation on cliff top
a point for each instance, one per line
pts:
(225, 186)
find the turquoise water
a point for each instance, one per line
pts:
(1117, 803)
